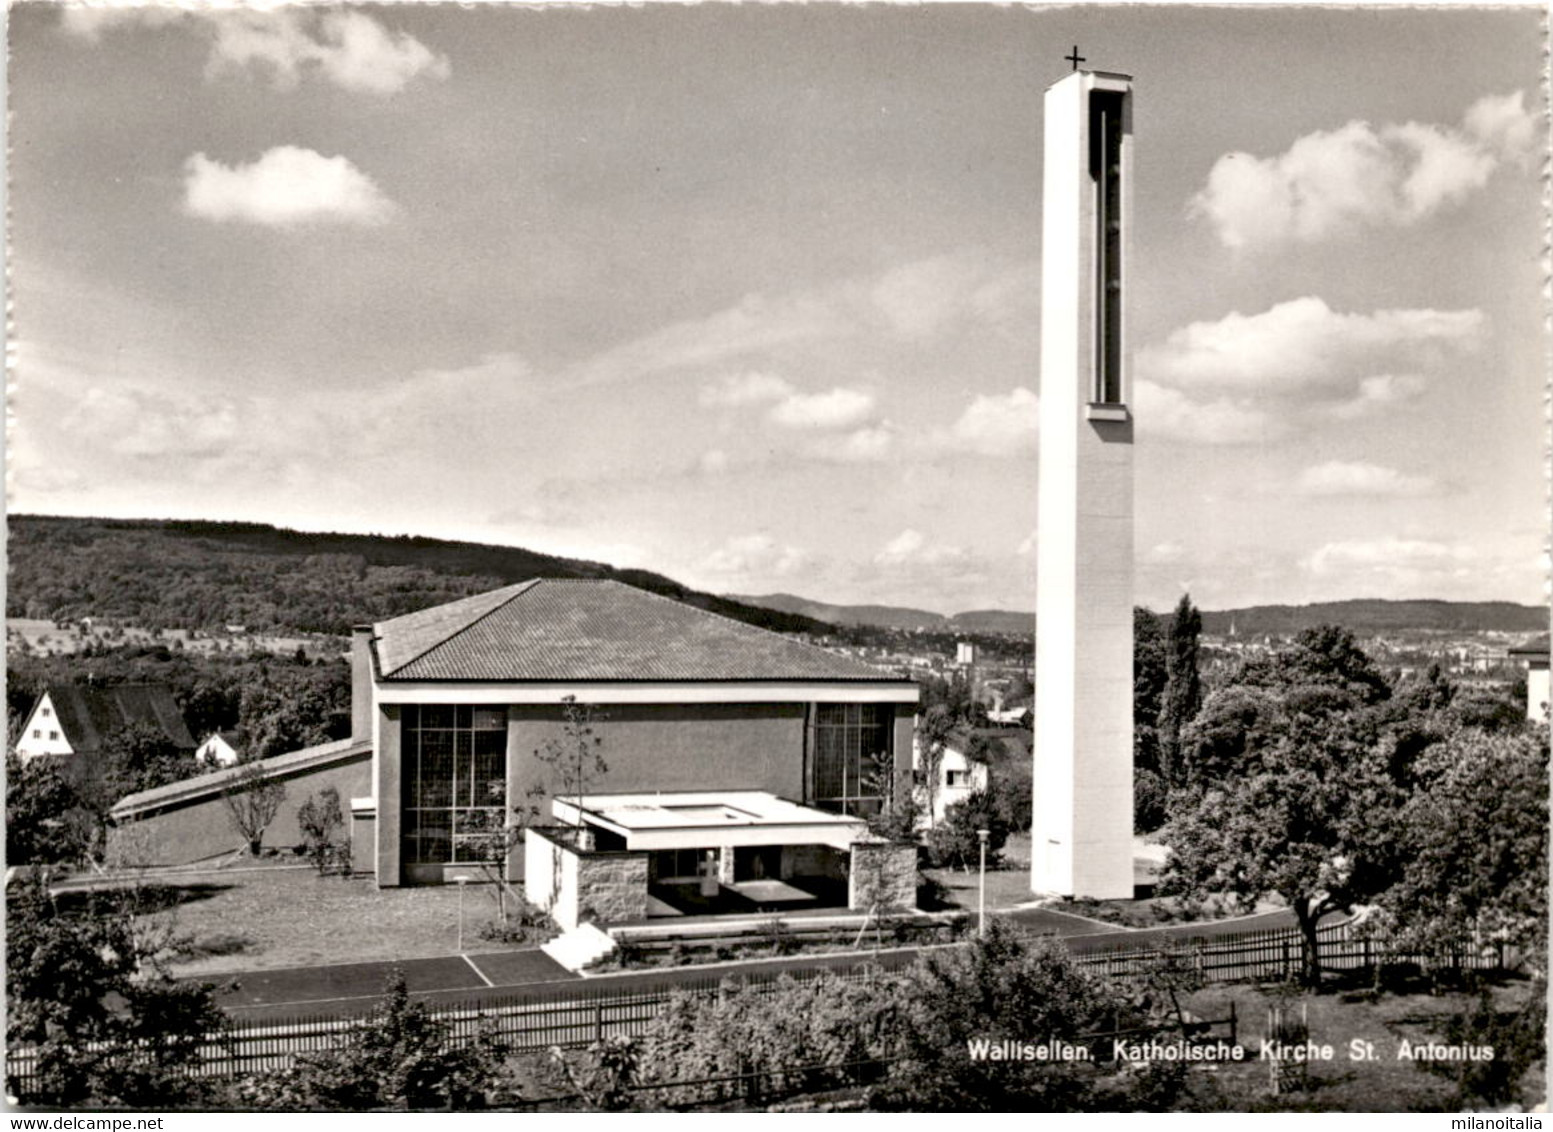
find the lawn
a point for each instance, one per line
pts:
(275, 917)
(1383, 1084)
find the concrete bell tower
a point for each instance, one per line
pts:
(1081, 836)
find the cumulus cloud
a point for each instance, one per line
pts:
(1329, 182)
(1303, 344)
(1004, 424)
(286, 186)
(861, 446)
(834, 409)
(756, 556)
(1392, 566)
(1164, 554)
(1169, 414)
(1378, 392)
(911, 562)
(152, 425)
(1357, 478)
(342, 46)
(735, 389)
(919, 303)
(90, 23)
(926, 297)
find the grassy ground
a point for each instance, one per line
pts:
(1382, 1084)
(293, 917)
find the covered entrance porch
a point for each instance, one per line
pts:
(623, 858)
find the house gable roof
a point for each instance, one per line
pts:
(574, 629)
(87, 715)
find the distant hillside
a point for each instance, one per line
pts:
(1368, 616)
(994, 621)
(879, 616)
(196, 575)
(895, 617)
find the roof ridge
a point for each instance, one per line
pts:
(518, 590)
(783, 637)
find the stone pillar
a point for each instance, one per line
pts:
(725, 865)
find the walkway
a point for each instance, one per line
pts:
(357, 988)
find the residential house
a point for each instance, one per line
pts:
(218, 749)
(70, 722)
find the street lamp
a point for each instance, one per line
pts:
(981, 919)
(461, 881)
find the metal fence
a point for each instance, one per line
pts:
(525, 1023)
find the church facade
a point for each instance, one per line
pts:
(463, 703)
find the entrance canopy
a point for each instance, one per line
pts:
(723, 818)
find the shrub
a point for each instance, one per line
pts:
(955, 841)
(321, 820)
(401, 1057)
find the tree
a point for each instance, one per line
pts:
(1308, 815)
(138, 757)
(401, 1057)
(899, 811)
(955, 841)
(321, 820)
(576, 757)
(1181, 698)
(252, 799)
(1003, 987)
(110, 1025)
(935, 727)
(1475, 846)
(46, 821)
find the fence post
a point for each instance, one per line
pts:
(598, 1022)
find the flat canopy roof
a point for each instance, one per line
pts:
(710, 820)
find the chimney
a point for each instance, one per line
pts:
(361, 683)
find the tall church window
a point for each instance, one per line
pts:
(455, 783)
(1105, 168)
(853, 755)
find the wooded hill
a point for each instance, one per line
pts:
(1366, 617)
(896, 617)
(174, 574)
(1372, 617)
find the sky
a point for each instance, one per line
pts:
(750, 295)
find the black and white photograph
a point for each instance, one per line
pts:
(786, 557)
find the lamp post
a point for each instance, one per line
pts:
(461, 881)
(981, 918)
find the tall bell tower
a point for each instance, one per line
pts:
(1081, 836)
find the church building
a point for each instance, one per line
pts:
(734, 755)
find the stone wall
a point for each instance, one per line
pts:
(611, 887)
(575, 886)
(883, 875)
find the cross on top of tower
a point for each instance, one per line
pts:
(1075, 58)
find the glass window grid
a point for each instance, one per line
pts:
(455, 786)
(853, 743)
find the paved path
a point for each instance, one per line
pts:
(356, 988)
